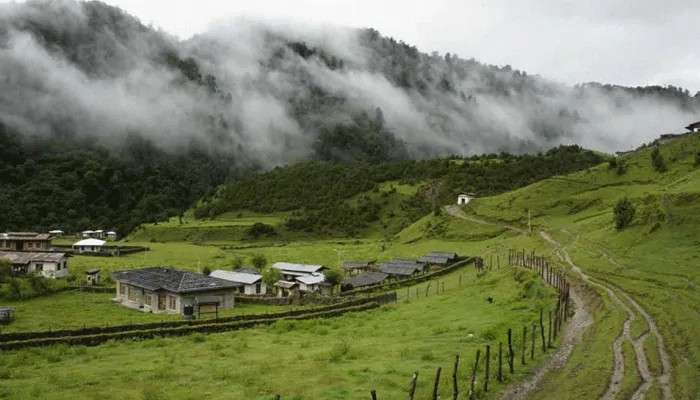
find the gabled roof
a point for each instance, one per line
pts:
(298, 268)
(404, 269)
(285, 284)
(365, 279)
(349, 265)
(90, 242)
(237, 276)
(172, 280)
(446, 254)
(25, 257)
(313, 279)
(25, 236)
(434, 260)
(693, 126)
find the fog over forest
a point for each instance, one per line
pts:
(269, 95)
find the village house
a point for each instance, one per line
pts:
(402, 269)
(286, 288)
(89, 246)
(6, 314)
(464, 198)
(46, 264)
(290, 271)
(25, 241)
(167, 290)
(364, 279)
(90, 234)
(92, 277)
(694, 127)
(56, 233)
(357, 267)
(314, 283)
(439, 258)
(112, 235)
(251, 281)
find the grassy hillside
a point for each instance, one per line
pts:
(656, 260)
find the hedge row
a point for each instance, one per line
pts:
(99, 330)
(94, 340)
(408, 282)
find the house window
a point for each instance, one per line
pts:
(122, 289)
(257, 288)
(133, 294)
(171, 302)
(39, 267)
(147, 299)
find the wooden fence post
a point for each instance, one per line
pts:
(510, 350)
(524, 344)
(373, 393)
(544, 338)
(414, 381)
(488, 364)
(436, 385)
(532, 349)
(500, 361)
(455, 384)
(472, 393)
(549, 329)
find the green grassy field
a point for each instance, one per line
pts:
(655, 260)
(337, 358)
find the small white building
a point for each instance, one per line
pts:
(112, 235)
(48, 265)
(56, 233)
(89, 246)
(290, 271)
(251, 281)
(315, 282)
(464, 199)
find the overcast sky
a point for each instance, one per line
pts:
(630, 42)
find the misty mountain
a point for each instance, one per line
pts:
(81, 82)
(270, 95)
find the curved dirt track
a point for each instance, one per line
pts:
(641, 364)
(582, 319)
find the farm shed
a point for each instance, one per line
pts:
(401, 270)
(92, 276)
(89, 246)
(290, 271)
(6, 315)
(314, 283)
(441, 258)
(25, 241)
(363, 280)
(286, 288)
(167, 290)
(694, 127)
(464, 198)
(356, 267)
(48, 265)
(250, 280)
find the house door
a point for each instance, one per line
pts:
(161, 301)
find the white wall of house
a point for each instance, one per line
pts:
(253, 289)
(50, 270)
(147, 301)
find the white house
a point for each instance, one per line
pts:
(112, 235)
(251, 281)
(56, 233)
(315, 282)
(48, 265)
(464, 199)
(89, 246)
(290, 271)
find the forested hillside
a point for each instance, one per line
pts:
(317, 192)
(85, 81)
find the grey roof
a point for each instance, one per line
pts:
(285, 284)
(25, 236)
(236, 276)
(247, 270)
(365, 279)
(446, 254)
(356, 264)
(313, 279)
(25, 257)
(92, 271)
(292, 269)
(172, 280)
(693, 125)
(434, 260)
(403, 269)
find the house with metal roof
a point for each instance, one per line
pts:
(25, 241)
(439, 258)
(251, 281)
(89, 246)
(168, 290)
(314, 283)
(290, 271)
(46, 264)
(402, 269)
(357, 267)
(364, 279)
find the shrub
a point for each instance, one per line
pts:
(258, 230)
(621, 168)
(623, 213)
(271, 276)
(657, 160)
(259, 261)
(206, 271)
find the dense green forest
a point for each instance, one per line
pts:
(71, 185)
(317, 191)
